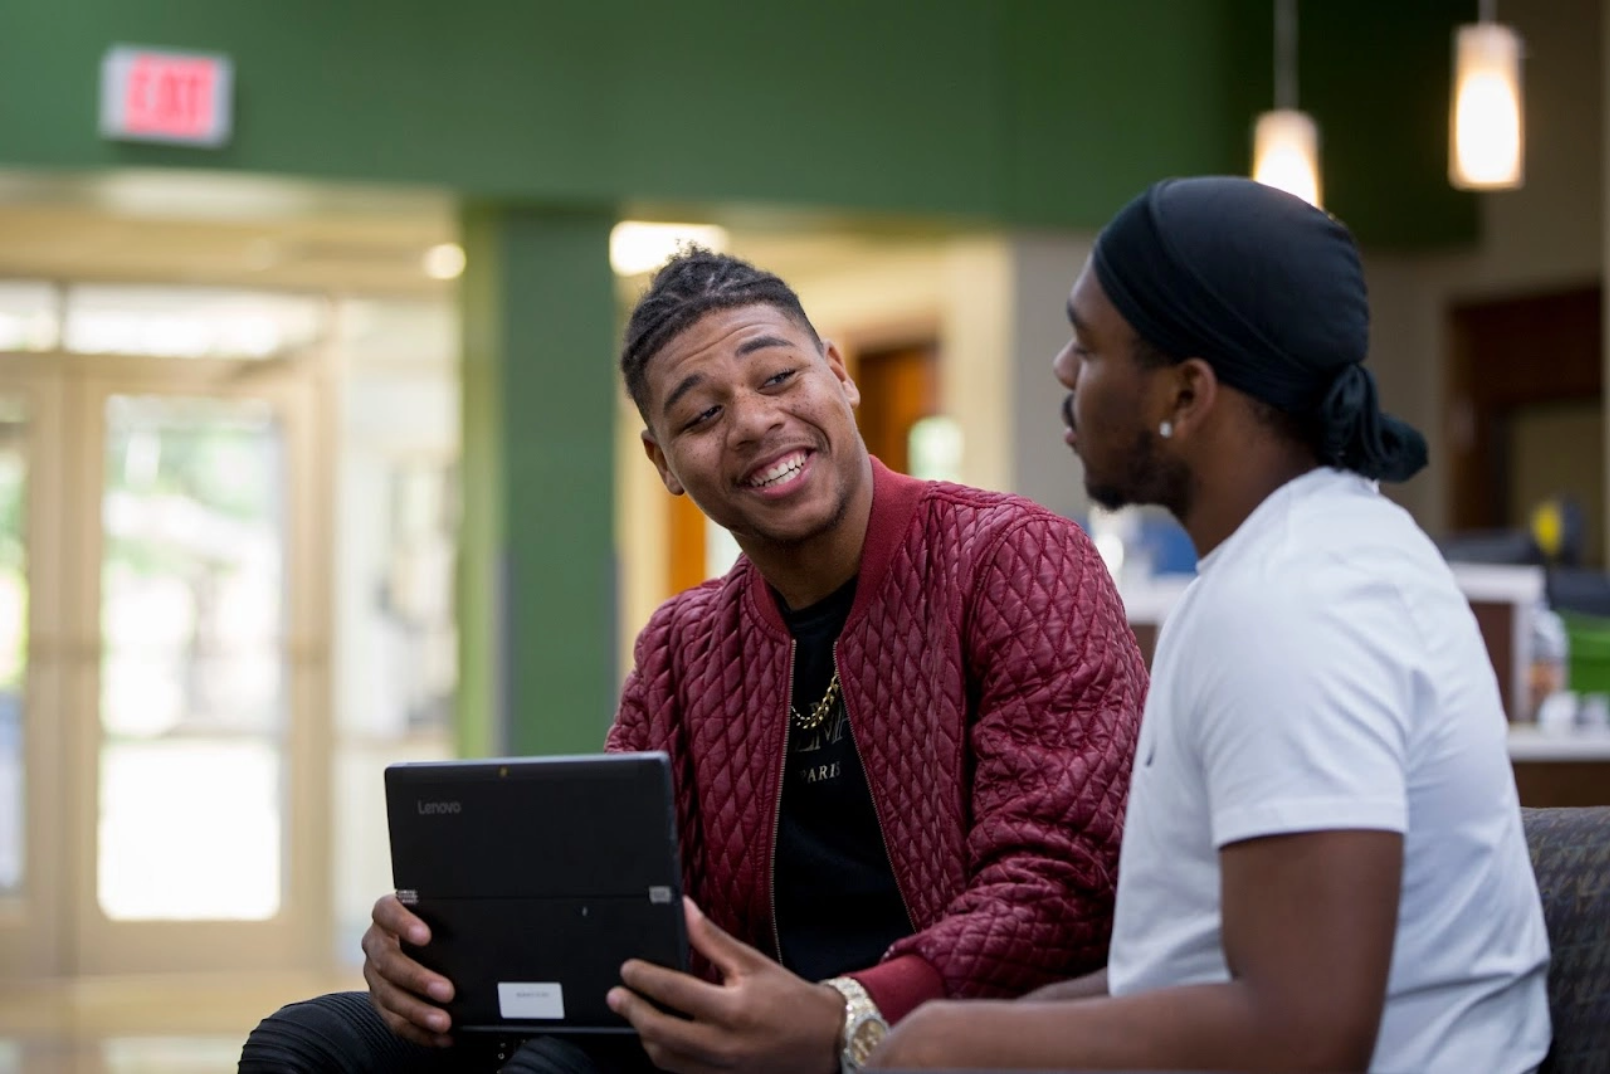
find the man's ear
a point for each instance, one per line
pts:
(835, 362)
(651, 448)
(1194, 391)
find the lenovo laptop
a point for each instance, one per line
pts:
(538, 877)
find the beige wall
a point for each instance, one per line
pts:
(1549, 235)
(1044, 268)
(999, 305)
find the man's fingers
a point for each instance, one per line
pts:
(728, 955)
(679, 991)
(430, 1021)
(400, 1026)
(407, 1007)
(392, 916)
(384, 954)
(673, 1043)
(397, 982)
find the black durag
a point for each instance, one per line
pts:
(1270, 292)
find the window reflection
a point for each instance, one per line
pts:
(29, 315)
(192, 673)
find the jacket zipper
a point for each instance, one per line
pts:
(777, 814)
(872, 792)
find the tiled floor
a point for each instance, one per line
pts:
(120, 1055)
(141, 1025)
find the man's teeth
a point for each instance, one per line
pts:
(781, 472)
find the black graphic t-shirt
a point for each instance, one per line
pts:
(838, 908)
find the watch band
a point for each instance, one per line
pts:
(864, 1024)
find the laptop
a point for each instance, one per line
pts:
(538, 877)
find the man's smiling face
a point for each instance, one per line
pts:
(754, 419)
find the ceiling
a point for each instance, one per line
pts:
(233, 230)
(200, 228)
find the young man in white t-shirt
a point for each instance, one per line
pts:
(1323, 866)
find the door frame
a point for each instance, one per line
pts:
(85, 940)
(32, 921)
(1491, 372)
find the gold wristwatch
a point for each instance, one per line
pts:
(864, 1027)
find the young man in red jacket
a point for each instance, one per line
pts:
(901, 726)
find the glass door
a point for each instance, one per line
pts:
(199, 658)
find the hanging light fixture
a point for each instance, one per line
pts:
(1486, 133)
(1285, 142)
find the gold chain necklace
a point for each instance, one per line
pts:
(819, 711)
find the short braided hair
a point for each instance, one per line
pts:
(691, 284)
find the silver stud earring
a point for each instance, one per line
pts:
(1166, 430)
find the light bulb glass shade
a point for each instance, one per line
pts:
(1285, 153)
(444, 261)
(1487, 135)
(636, 246)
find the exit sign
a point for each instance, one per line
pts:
(179, 98)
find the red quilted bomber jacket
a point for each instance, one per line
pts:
(995, 692)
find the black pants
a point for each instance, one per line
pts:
(342, 1034)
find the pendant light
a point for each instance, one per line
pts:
(1486, 131)
(1285, 141)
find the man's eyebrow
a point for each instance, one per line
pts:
(760, 343)
(690, 382)
(744, 349)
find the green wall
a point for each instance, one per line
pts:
(1023, 112)
(537, 590)
(1377, 74)
(481, 703)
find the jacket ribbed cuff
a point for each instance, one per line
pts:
(899, 985)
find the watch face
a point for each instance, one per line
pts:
(866, 1036)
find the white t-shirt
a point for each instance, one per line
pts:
(1324, 672)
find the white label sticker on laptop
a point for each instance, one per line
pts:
(531, 999)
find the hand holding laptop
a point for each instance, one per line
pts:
(542, 896)
(406, 994)
(522, 885)
(760, 1017)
